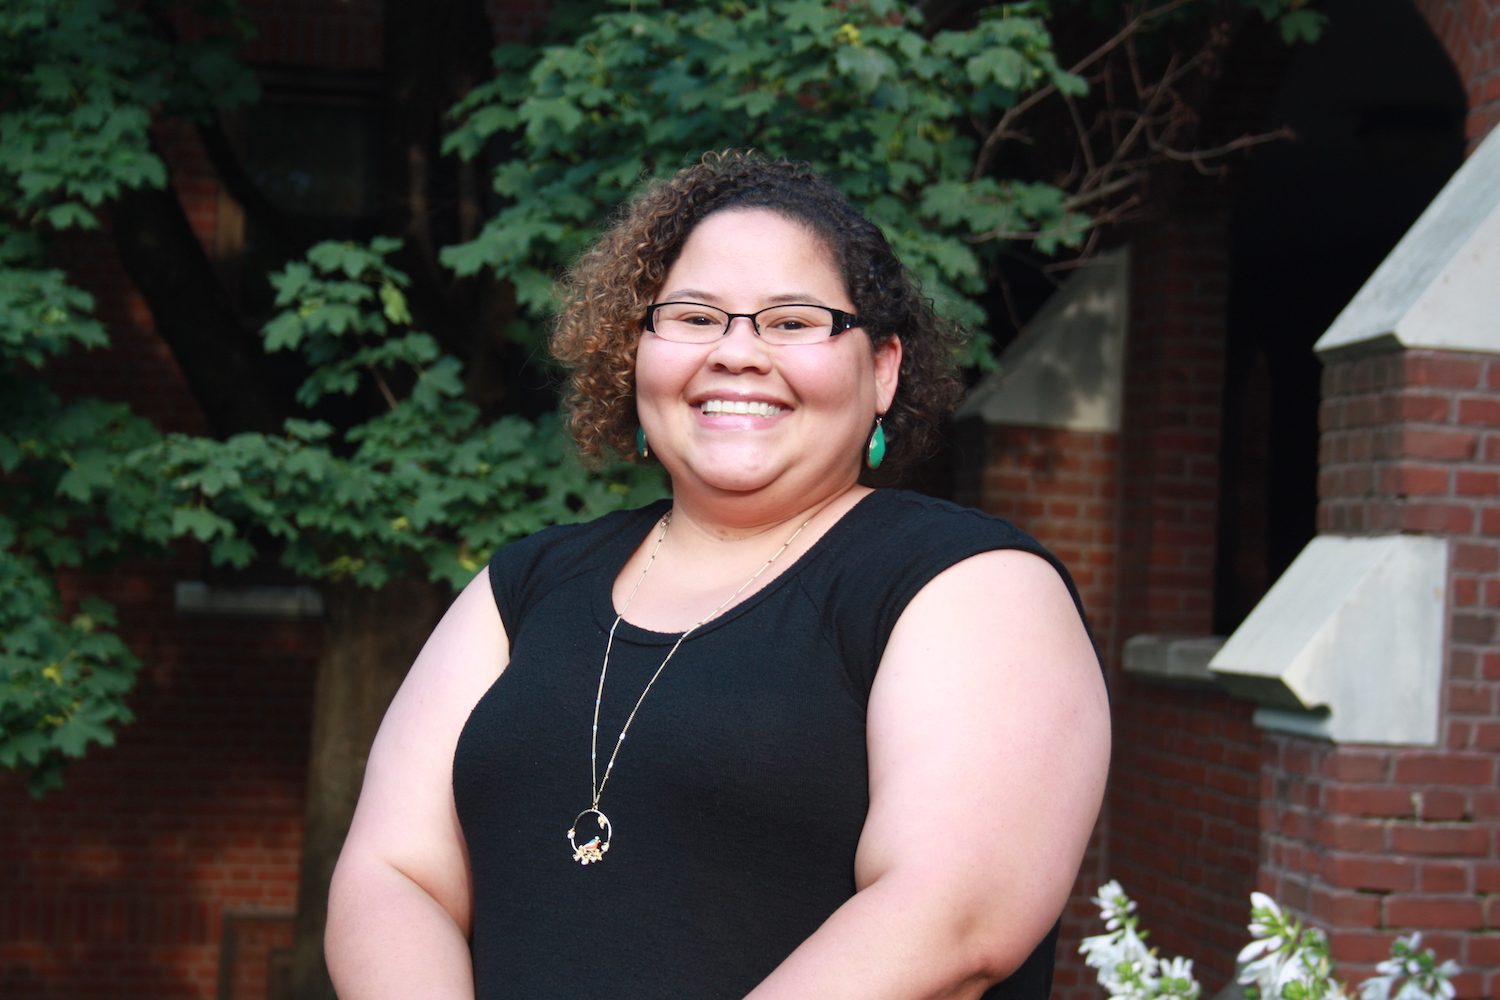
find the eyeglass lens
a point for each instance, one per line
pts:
(695, 323)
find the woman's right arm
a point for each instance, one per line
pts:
(400, 906)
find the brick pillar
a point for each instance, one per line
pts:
(1374, 841)
(1060, 486)
(1174, 375)
(1184, 794)
(1470, 32)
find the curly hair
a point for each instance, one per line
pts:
(606, 293)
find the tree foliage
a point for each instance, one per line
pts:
(424, 489)
(857, 90)
(905, 119)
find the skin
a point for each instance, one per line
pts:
(987, 758)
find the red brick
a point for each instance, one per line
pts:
(1437, 840)
(1470, 699)
(1487, 876)
(1476, 484)
(1484, 803)
(1351, 834)
(1355, 871)
(1362, 946)
(1345, 909)
(1440, 804)
(1411, 442)
(1476, 558)
(1439, 517)
(1465, 591)
(1487, 736)
(1414, 480)
(1352, 765)
(1414, 407)
(1482, 949)
(1444, 877)
(1368, 800)
(1479, 412)
(1420, 768)
(1434, 911)
(1437, 371)
(1471, 628)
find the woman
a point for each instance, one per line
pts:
(784, 736)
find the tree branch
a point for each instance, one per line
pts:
(223, 363)
(1002, 128)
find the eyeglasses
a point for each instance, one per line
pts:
(797, 323)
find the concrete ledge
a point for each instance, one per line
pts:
(1066, 368)
(1436, 288)
(1173, 659)
(194, 598)
(1348, 644)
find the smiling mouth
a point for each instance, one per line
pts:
(753, 408)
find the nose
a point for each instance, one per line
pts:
(740, 349)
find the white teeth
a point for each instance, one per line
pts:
(748, 407)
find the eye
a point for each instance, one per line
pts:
(796, 318)
(689, 314)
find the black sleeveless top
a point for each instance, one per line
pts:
(740, 792)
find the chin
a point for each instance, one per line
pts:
(734, 473)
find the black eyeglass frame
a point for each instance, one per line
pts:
(843, 322)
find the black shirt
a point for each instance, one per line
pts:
(741, 789)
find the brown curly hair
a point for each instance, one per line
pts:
(606, 293)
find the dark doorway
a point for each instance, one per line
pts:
(1379, 113)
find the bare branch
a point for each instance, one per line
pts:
(1002, 128)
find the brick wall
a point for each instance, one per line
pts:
(119, 884)
(1370, 843)
(1060, 486)
(1174, 375)
(1470, 31)
(1374, 841)
(1184, 804)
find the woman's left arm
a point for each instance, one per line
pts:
(989, 747)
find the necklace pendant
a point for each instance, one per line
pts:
(591, 851)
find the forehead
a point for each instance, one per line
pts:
(746, 246)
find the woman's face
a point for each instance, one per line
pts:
(821, 399)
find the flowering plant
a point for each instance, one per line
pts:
(1285, 961)
(1127, 968)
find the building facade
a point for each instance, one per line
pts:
(1179, 473)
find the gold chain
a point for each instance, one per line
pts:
(594, 850)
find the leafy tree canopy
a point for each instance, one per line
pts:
(906, 121)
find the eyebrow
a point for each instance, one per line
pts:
(709, 298)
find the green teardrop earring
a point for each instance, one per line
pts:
(644, 451)
(875, 452)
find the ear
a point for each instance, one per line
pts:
(887, 371)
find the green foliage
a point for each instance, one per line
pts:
(62, 678)
(857, 90)
(79, 80)
(425, 488)
(1297, 21)
(62, 683)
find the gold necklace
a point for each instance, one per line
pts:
(593, 850)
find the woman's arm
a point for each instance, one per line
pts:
(989, 746)
(400, 904)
